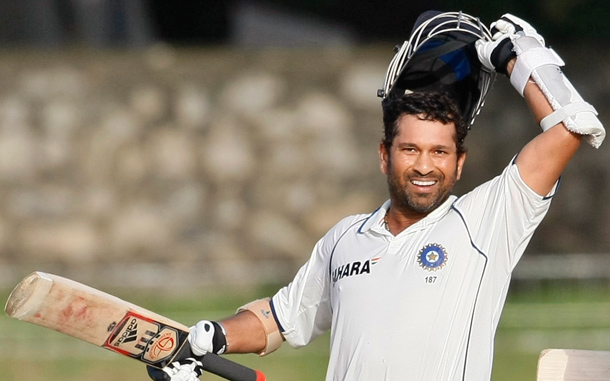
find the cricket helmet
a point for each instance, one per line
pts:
(440, 55)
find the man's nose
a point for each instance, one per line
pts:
(423, 164)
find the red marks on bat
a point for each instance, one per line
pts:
(77, 309)
(82, 313)
(67, 312)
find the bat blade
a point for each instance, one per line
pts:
(573, 364)
(96, 317)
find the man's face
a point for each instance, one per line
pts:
(422, 165)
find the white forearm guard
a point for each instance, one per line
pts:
(543, 66)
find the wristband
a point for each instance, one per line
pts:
(219, 341)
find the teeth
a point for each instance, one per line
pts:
(423, 183)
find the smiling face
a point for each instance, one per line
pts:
(422, 165)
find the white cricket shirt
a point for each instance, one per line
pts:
(423, 305)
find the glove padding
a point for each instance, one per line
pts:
(513, 37)
(207, 336)
(496, 54)
(184, 370)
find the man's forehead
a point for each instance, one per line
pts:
(418, 124)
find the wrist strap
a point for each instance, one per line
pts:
(219, 341)
(565, 112)
(530, 56)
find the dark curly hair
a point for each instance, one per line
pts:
(434, 106)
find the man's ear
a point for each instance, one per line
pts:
(383, 158)
(460, 165)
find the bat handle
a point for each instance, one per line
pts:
(222, 366)
(157, 374)
(230, 370)
(212, 363)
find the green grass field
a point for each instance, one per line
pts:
(535, 318)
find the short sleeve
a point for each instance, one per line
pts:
(502, 215)
(303, 307)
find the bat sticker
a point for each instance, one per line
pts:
(145, 339)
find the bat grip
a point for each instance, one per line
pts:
(213, 363)
(230, 370)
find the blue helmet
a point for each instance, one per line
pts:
(440, 56)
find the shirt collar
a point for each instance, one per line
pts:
(376, 219)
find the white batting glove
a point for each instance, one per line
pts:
(513, 25)
(495, 54)
(506, 31)
(186, 370)
(207, 336)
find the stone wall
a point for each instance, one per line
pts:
(215, 165)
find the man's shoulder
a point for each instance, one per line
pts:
(354, 221)
(509, 173)
(353, 224)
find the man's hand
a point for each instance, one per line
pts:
(509, 24)
(185, 370)
(496, 54)
(534, 62)
(207, 336)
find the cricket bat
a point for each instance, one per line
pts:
(573, 364)
(109, 322)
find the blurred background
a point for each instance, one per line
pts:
(187, 155)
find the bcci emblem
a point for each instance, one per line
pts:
(432, 257)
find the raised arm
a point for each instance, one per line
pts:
(518, 51)
(544, 158)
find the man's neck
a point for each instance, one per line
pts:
(399, 218)
(397, 221)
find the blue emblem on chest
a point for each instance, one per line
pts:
(432, 257)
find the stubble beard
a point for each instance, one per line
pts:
(403, 199)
